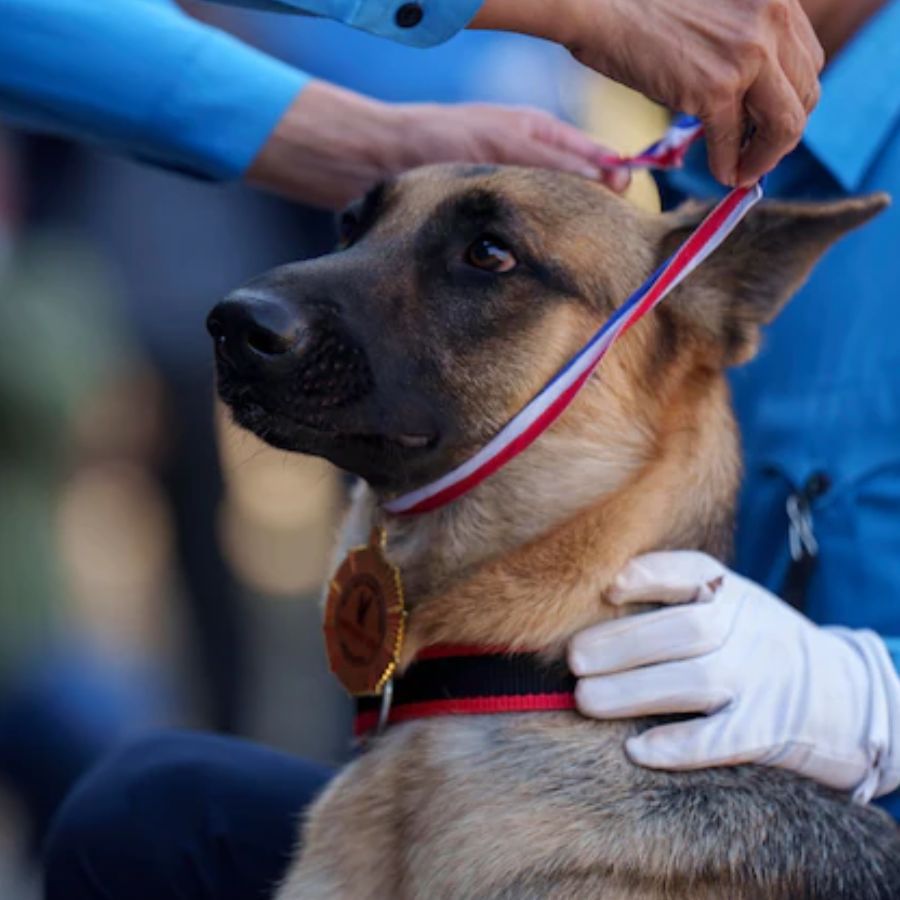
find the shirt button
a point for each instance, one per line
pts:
(409, 15)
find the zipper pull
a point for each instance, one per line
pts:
(802, 539)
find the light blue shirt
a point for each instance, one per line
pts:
(143, 78)
(440, 19)
(823, 396)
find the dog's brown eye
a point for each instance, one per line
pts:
(490, 254)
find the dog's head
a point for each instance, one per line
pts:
(458, 291)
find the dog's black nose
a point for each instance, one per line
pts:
(260, 336)
(258, 332)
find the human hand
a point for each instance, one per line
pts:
(332, 145)
(726, 62)
(768, 685)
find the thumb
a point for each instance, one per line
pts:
(676, 576)
(703, 742)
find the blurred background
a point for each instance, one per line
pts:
(159, 568)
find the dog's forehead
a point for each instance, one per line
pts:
(489, 193)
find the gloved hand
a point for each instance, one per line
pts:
(769, 686)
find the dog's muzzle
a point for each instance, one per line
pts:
(260, 337)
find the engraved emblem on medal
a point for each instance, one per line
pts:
(364, 619)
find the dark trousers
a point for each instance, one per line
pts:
(181, 815)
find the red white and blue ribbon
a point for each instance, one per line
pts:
(547, 406)
(667, 153)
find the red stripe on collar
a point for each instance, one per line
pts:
(366, 721)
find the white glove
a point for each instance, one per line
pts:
(773, 687)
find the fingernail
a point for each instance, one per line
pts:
(591, 172)
(618, 180)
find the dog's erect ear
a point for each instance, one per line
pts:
(762, 263)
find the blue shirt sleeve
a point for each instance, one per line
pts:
(142, 78)
(420, 23)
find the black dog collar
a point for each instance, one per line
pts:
(449, 680)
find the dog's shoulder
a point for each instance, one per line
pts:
(467, 806)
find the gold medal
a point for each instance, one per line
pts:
(364, 619)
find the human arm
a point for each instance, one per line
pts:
(766, 684)
(731, 63)
(144, 79)
(332, 144)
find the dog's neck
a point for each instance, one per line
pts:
(525, 559)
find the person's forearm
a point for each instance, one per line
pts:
(141, 78)
(330, 146)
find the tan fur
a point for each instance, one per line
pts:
(539, 594)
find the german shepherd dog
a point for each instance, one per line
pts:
(455, 294)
